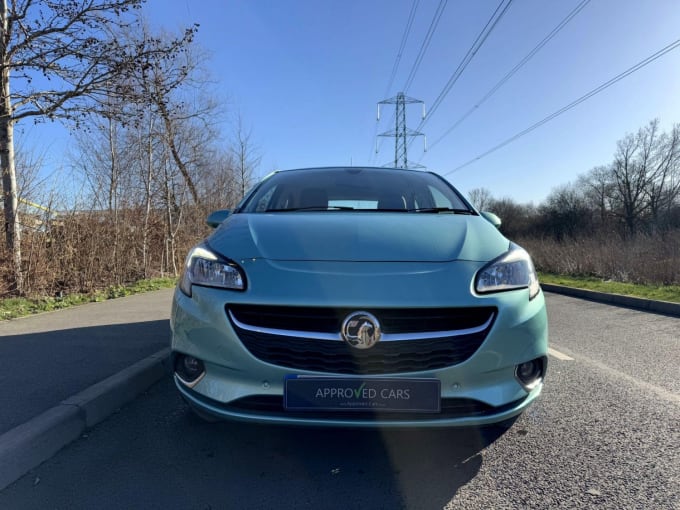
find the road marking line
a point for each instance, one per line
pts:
(659, 391)
(560, 356)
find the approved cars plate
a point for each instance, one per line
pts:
(309, 393)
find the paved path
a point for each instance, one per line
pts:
(49, 357)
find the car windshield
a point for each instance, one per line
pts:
(355, 189)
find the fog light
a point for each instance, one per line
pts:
(189, 369)
(530, 373)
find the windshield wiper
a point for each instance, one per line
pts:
(313, 208)
(441, 210)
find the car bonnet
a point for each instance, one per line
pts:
(358, 236)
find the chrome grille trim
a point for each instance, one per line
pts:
(386, 337)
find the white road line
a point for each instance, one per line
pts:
(659, 391)
(560, 356)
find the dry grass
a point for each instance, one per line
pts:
(644, 259)
(88, 251)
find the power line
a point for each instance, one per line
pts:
(476, 45)
(575, 103)
(514, 70)
(425, 44)
(402, 45)
(421, 52)
(397, 60)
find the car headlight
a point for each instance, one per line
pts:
(203, 267)
(512, 270)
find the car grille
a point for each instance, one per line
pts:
(285, 336)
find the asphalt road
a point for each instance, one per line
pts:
(604, 434)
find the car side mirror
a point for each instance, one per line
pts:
(216, 217)
(492, 218)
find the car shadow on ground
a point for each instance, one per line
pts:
(155, 453)
(348, 468)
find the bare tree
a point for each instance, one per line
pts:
(75, 46)
(518, 219)
(172, 87)
(630, 181)
(220, 184)
(30, 185)
(246, 155)
(598, 188)
(145, 146)
(565, 213)
(480, 198)
(643, 174)
(662, 189)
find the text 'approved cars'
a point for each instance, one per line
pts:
(358, 297)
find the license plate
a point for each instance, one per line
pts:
(309, 393)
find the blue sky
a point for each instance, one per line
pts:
(306, 77)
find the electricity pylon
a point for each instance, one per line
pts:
(401, 133)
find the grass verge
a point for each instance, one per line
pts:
(11, 308)
(657, 292)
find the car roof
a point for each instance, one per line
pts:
(333, 168)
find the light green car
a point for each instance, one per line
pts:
(358, 297)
